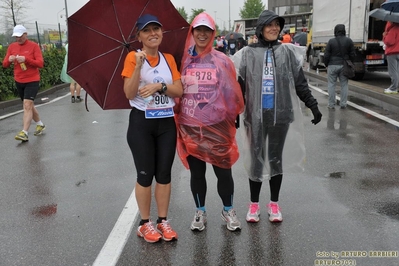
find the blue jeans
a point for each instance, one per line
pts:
(334, 72)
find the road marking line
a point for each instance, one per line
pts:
(367, 111)
(116, 241)
(20, 111)
(113, 247)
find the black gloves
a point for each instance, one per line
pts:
(316, 115)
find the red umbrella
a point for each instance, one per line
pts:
(100, 36)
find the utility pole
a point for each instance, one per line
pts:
(229, 17)
(66, 20)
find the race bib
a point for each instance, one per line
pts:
(160, 107)
(268, 82)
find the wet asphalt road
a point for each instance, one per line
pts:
(62, 193)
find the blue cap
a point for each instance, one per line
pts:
(145, 20)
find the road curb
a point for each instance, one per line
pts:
(10, 103)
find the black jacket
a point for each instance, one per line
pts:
(333, 54)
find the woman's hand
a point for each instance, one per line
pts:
(149, 89)
(140, 58)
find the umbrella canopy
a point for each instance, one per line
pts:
(391, 5)
(301, 38)
(382, 14)
(235, 34)
(102, 33)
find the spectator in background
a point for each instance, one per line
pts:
(232, 44)
(338, 49)
(73, 86)
(27, 59)
(250, 40)
(391, 41)
(241, 43)
(224, 45)
(255, 39)
(286, 37)
(219, 44)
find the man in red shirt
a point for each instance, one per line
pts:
(26, 58)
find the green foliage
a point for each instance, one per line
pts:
(182, 12)
(252, 9)
(194, 13)
(49, 74)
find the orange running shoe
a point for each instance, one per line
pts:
(168, 234)
(148, 232)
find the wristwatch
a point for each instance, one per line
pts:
(163, 88)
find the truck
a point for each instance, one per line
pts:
(245, 26)
(365, 32)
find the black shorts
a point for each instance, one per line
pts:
(28, 90)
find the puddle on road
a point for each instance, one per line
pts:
(336, 174)
(390, 209)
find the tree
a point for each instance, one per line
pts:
(14, 11)
(251, 9)
(182, 12)
(194, 13)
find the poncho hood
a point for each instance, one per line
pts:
(265, 18)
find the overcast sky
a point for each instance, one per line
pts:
(49, 11)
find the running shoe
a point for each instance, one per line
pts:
(164, 228)
(389, 91)
(199, 221)
(274, 212)
(148, 232)
(230, 217)
(22, 136)
(39, 130)
(253, 213)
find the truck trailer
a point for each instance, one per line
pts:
(365, 32)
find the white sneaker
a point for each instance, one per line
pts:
(199, 221)
(230, 217)
(389, 91)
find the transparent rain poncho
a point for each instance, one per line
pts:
(208, 109)
(261, 149)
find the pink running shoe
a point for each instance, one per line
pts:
(253, 213)
(275, 215)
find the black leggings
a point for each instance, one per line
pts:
(275, 185)
(225, 184)
(153, 146)
(276, 138)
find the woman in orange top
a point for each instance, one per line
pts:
(151, 81)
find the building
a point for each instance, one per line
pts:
(295, 12)
(286, 7)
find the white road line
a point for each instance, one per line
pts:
(367, 111)
(116, 241)
(113, 247)
(20, 111)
